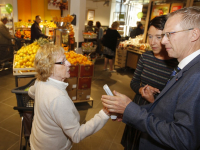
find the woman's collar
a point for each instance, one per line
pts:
(60, 84)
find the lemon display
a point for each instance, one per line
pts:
(26, 55)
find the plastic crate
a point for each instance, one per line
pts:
(23, 99)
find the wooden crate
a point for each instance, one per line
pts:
(22, 71)
(121, 52)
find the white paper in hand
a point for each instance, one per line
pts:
(108, 92)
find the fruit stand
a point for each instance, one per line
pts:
(23, 31)
(129, 52)
(81, 71)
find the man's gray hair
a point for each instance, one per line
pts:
(190, 17)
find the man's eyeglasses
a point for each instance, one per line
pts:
(61, 63)
(168, 34)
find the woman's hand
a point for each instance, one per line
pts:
(153, 90)
(148, 93)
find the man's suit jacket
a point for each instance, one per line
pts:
(173, 120)
(5, 37)
(36, 33)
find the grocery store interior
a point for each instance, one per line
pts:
(65, 23)
(108, 138)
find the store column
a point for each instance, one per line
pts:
(78, 7)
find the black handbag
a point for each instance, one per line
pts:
(108, 51)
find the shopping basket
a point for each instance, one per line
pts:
(25, 107)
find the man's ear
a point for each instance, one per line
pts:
(195, 34)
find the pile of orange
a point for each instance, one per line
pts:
(25, 33)
(18, 34)
(68, 18)
(76, 59)
(26, 55)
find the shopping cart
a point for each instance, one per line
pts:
(25, 107)
(6, 56)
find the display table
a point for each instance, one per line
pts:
(133, 56)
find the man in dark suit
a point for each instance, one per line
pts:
(173, 120)
(137, 31)
(36, 32)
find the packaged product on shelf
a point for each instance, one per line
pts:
(91, 35)
(135, 44)
(88, 47)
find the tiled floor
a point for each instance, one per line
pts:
(108, 138)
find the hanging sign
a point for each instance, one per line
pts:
(3, 10)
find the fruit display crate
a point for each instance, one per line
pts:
(22, 71)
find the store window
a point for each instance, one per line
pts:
(126, 14)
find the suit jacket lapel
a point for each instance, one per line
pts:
(176, 78)
(172, 82)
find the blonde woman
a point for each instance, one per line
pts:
(110, 44)
(56, 120)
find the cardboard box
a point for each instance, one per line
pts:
(74, 69)
(72, 83)
(86, 70)
(83, 94)
(84, 83)
(72, 94)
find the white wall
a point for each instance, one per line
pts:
(102, 13)
(6, 2)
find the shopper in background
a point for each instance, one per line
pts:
(36, 32)
(153, 69)
(56, 119)
(172, 121)
(99, 31)
(137, 31)
(110, 44)
(5, 36)
(89, 27)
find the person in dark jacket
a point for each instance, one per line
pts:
(137, 31)
(36, 32)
